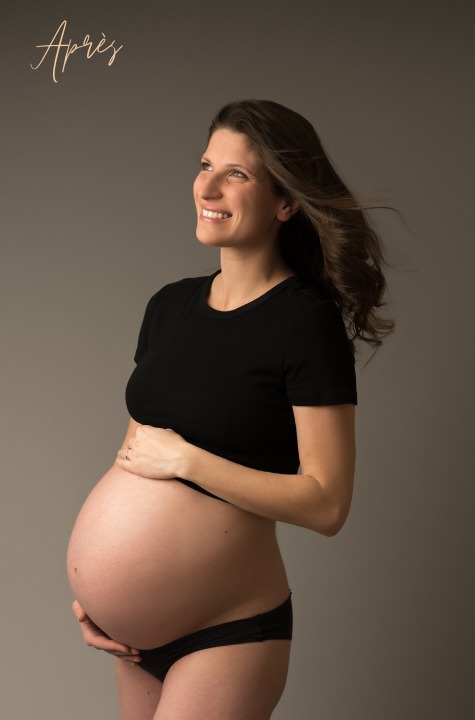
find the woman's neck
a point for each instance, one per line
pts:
(242, 280)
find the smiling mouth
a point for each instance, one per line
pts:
(211, 215)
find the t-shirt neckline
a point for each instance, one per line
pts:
(242, 308)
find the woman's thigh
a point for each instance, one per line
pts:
(139, 692)
(234, 682)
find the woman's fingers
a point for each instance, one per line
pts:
(100, 641)
(95, 637)
(153, 453)
(79, 613)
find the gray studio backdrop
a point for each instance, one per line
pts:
(97, 214)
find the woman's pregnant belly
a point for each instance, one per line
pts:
(152, 560)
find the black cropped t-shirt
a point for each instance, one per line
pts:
(226, 380)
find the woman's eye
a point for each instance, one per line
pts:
(206, 167)
(239, 174)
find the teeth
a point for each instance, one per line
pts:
(215, 215)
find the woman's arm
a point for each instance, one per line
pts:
(318, 499)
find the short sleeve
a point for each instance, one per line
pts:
(319, 365)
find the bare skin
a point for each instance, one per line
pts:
(251, 689)
(241, 682)
(144, 558)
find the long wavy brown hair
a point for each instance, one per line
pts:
(329, 240)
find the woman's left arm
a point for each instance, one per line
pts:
(319, 499)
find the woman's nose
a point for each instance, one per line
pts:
(209, 186)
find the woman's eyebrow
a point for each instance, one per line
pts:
(230, 165)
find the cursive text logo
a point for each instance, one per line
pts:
(72, 48)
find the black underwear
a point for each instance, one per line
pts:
(275, 624)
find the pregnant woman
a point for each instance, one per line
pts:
(241, 376)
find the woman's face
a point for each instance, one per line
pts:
(236, 203)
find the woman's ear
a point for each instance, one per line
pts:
(287, 210)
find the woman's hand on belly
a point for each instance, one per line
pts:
(155, 453)
(94, 637)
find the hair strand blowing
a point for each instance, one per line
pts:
(329, 241)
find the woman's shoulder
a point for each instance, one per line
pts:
(188, 281)
(310, 311)
(175, 288)
(306, 297)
